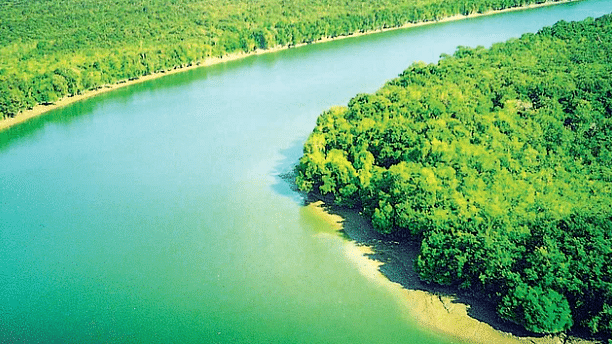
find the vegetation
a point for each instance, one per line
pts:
(500, 160)
(50, 49)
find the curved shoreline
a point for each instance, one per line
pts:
(442, 312)
(39, 109)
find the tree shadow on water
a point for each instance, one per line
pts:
(284, 172)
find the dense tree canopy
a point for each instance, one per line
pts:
(500, 159)
(50, 49)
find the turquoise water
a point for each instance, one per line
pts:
(155, 213)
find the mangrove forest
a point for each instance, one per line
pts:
(51, 49)
(500, 161)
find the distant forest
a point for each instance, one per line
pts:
(50, 49)
(500, 161)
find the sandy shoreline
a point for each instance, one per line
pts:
(39, 110)
(438, 311)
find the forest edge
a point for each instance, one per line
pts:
(42, 109)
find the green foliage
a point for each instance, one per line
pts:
(538, 310)
(500, 160)
(50, 49)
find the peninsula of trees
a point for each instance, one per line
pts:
(50, 49)
(500, 160)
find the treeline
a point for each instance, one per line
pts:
(50, 49)
(500, 160)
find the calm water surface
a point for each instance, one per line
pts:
(155, 213)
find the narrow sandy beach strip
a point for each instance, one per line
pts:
(439, 312)
(42, 109)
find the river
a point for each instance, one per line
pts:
(156, 213)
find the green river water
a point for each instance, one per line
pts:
(156, 213)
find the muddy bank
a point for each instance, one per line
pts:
(389, 262)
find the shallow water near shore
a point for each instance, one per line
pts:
(157, 212)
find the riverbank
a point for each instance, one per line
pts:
(389, 264)
(39, 110)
